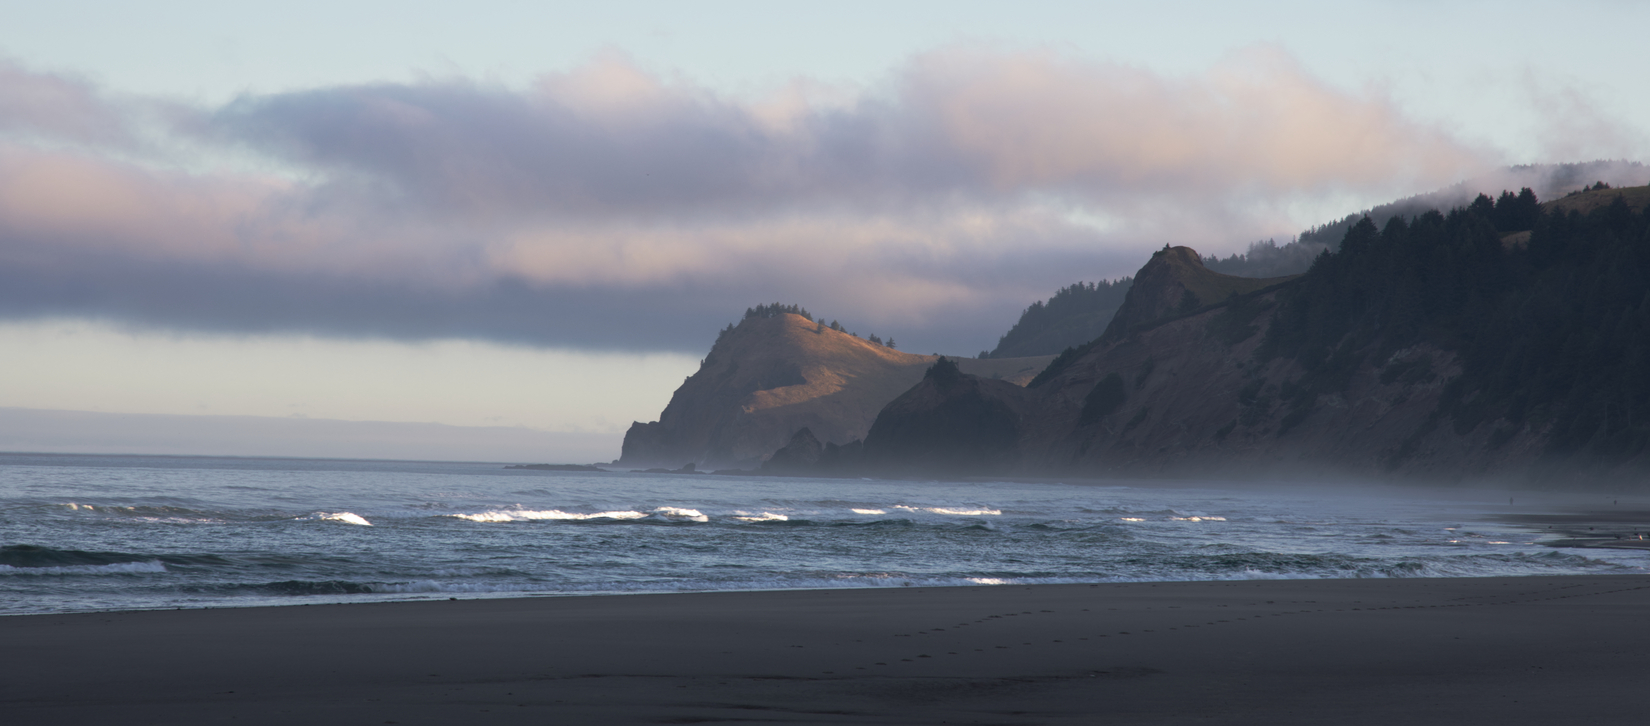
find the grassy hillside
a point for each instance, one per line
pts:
(772, 375)
(1636, 198)
(1212, 287)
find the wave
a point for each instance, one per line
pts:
(953, 511)
(187, 515)
(691, 515)
(1228, 567)
(668, 514)
(435, 586)
(314, 588)
(27, 557)
(116, 568)
(162, 514)
(1277, 565)
(529, 515)
(343, 517)
(286, 587)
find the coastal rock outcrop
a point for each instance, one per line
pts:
(950, 423)
(1190, 397)
(769, 377)
(1174, 281)
(801, 454)
(1501, 340)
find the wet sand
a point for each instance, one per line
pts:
(1615, 528)
(1415, 651)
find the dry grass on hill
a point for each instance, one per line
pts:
(770, 377)
(1213, 287)
(1636, 197)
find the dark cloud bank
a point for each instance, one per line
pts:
(608, 208)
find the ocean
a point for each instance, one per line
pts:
(86, 533)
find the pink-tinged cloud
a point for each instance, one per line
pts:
(610, 207)
(611, 140)
(57, 108)
(1039, 120)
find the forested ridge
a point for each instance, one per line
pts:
(1502, 337)
(1072, 316)
(1553, 335)
(1068, 319)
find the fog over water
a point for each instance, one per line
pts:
(100, 532)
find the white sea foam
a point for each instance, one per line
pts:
(117, 568)
(157, 515)
(763, 517)
(1268, 536)
(344, 517)
(681, 513)
(529, 515)
(954, 511)
(437, 586)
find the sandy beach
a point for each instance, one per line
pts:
(1482, 650)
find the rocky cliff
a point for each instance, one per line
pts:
(1496, 341)
(1174, 281)
(1444, 347)
(768, 378)
(951, 423)
(1187, 395)
(1190, 397)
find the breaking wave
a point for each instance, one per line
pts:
(531, 515)
(343, 517)
(953, 511)
(116, 568)
(285, 532)
(36, 558)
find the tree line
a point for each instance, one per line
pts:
(774, 310)
(1048, 327)
(1553, 334)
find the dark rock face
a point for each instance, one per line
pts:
(1188, 397)
(1175, 282)
(1189, 394)
(1198, 399)
(644, 441)
(762, 382)
(1349, 370)
(769, 378)
(802, 454)
(950, 423)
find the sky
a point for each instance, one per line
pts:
(536, 216)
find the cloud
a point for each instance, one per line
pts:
(1040, 121)
(59, 108)
(611, 207)
(610, 140)
(1574, 123)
